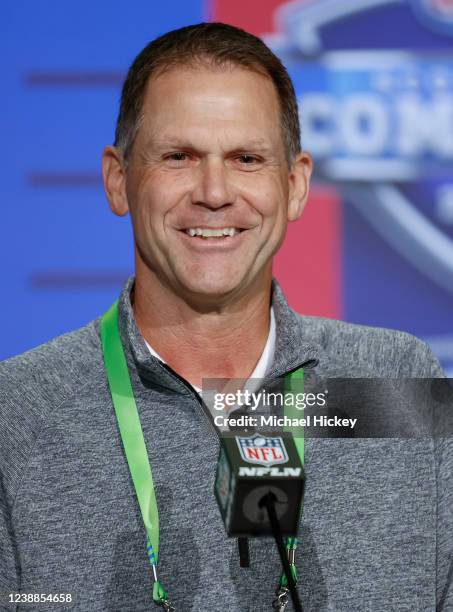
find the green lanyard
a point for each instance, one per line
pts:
(135, 448)
(294, 379)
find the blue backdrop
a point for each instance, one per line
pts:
(65, 256)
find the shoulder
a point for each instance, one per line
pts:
(375, 350)
(34, 385)
(53, 370)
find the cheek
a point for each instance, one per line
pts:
(273, 210)
(153, 202)
(267, 193)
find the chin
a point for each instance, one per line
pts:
(211, 287)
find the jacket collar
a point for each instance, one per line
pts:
(291, 350)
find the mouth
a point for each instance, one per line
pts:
(212, 234)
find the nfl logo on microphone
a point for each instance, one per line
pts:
(262, 450)
(239, 486)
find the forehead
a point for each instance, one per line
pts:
(232, 99)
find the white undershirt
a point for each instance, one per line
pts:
(264, 362)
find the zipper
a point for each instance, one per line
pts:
(310, 363)
(195, 394)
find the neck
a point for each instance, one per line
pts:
(223, 342)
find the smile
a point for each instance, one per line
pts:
(207, 233)
(204, 239)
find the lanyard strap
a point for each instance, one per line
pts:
(135, 448)
(133, 440)
(294, 382)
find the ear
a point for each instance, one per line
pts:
(299, 184)
(114, 176)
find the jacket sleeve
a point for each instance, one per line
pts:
(9, 564)
(16, 440)
(444, 549)
(9, 570)
(426, 365)
(444, 480)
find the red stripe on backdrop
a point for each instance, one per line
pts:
(309, 263)
(255, 16)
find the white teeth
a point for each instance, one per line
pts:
(209, 233)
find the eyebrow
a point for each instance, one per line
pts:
(171, 141)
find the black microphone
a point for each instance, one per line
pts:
(250, 468)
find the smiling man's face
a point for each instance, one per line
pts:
(209, 155)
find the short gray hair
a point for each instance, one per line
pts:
(215, 45)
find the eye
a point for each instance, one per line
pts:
(179, 156)
(177, 159)
(247, 159)
(248, 162)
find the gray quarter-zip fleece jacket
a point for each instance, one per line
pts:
(377, 528)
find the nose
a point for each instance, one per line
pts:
(213, 188)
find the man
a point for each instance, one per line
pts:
(207, 160)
